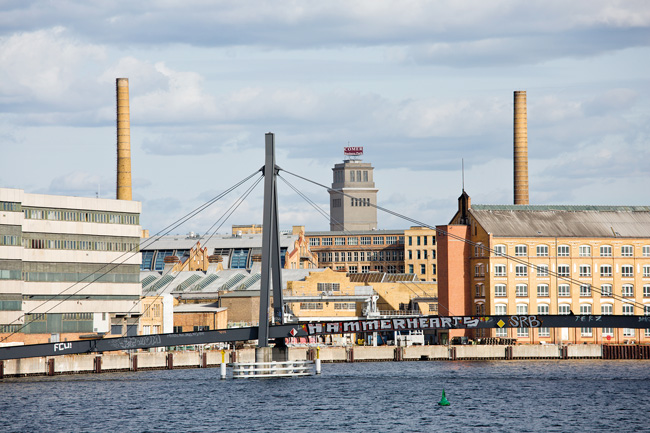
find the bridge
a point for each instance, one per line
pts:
(283, 331)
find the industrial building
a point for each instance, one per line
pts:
(69, 266)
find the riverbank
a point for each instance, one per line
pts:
(111, 362)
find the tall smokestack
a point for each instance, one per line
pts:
(123, 140)
(521, 148)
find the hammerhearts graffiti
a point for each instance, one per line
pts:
(419, 323)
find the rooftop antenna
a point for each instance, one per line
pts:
(462, 163)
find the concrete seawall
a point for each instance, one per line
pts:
(97, 363)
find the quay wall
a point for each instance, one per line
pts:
(112, 362)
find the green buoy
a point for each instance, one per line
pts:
(443, 401)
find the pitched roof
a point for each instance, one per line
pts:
(564, 221)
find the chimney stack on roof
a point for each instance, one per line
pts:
(521, 148)
(123, 140)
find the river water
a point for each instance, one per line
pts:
(501, 396)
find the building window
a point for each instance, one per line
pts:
(521, 271)
(542, 270)
(423, 269)
(607, 310)
(499, 270)
(418, 254)
(479, 270)
(365, 240)
(365, 269)
(646, 291)
(585, 271)
(433, 269)
(352, 269)
(564, 309)
(627, 250)
(378, 240)
(411, 269)
(563, 251)
(339, 241)
(499, 250)
(628, 310)
(585, 251)
(605, 270)
(311, 305)
(563, 270)
(500, 309)
(521, 290)
(585, 290)
(627, 271)
(542, 290)
(646, 270)
(479, 290)
(542, 309)
(646, 251)
(478, 250)
(521, 250)
(353, 241)
(605, 251)
(336, 202)
(500, 290)
(314, 242)
(606, 290)
(522, 332)
(627, 291)
(542, 250)
(563, 290)
(391, 240)
(410, 254)
(327, 241)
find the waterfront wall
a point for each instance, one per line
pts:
(97, 363)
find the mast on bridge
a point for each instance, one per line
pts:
(271, 272)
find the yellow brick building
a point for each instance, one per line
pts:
(559, 260)
(420, 252)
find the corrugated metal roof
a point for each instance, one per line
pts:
(564, 221)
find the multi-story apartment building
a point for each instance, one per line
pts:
(69, 266)
(520, 259)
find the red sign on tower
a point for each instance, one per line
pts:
(353, 151)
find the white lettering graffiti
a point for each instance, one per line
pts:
(58, 347)
(524, 322)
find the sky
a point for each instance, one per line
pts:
(425, 87)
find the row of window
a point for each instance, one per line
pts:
(328, 287)
(356, 240)
(421, 254)
(60, 244)
(423, 269)
(360, 202)
(562, 270)
(81, 216)
(421, 240)
(562, 250)
(9, 206)
(361, 256)
(563, 290)
(9, 240)
(565, 309)
(74, 277)
(390, 269)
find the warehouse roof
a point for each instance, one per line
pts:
(564, 221)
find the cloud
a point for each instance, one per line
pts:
(43, 66)
(77, 183)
